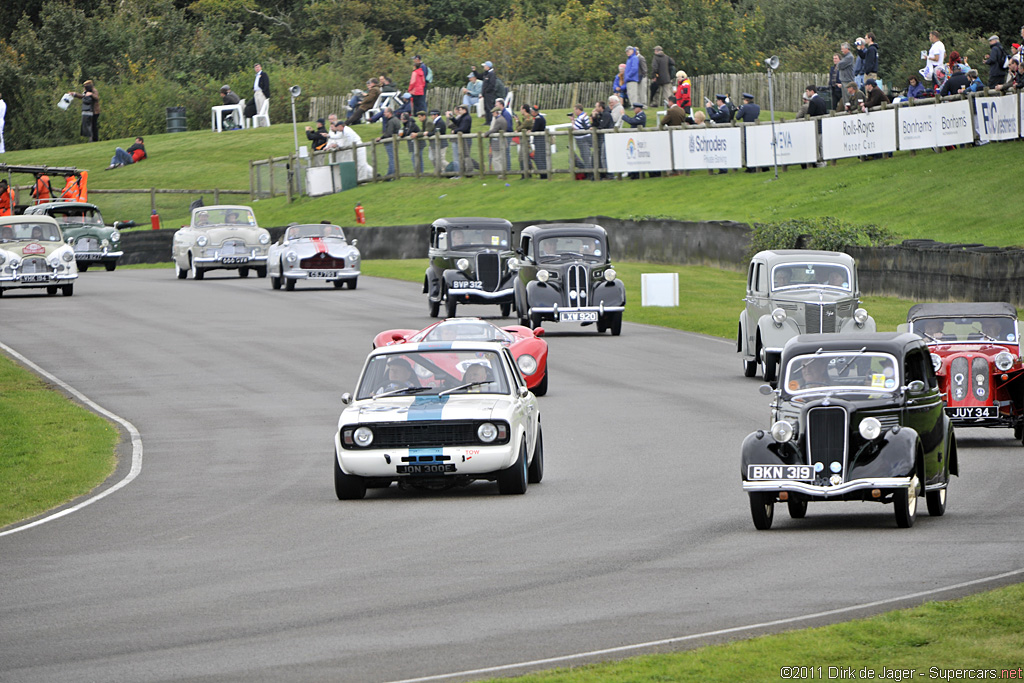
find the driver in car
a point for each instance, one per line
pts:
(782, 277)
(993, 328)
(933, 329)
(477, 372)
(400, 376)
(814, 374)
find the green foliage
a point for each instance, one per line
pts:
(826, 233)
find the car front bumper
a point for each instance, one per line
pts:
(9, 281)
(469, 296)
(97, 256)
(471, 461)
(838, 491)
(218, 261)
(557, 311)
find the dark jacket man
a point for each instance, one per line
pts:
(874, 97)
(816, 104)
(996, 58)
(953, 84)
(489, 90)
(748, 112)
(638, 119)
(675, 116)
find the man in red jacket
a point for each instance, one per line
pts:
(418, 85)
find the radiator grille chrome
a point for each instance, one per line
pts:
(87, 244)
(820, 318)
(322, 261)
(577, 285)
(827, 439)
(488, 270)
(34, 265)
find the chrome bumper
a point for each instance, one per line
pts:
(97, 255)
(828, 491)
(219, 260)
(54, 279)
(556, 309)
(481, 293)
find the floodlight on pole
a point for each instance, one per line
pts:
(295, 91)
(773, 63)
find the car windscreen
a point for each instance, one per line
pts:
(966, 329)
(323, 231)
(433, 372)
(795, 275)
(848, 371)
(229, 216)
(459, 330)
(571, 248)
(77, 216)
(29, 232)
(475, 239)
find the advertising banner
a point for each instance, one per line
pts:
(953, 123)
(858, 134)
(635, 152)
(702, 148)
(996, 117)
(917, 129)
(796, 143)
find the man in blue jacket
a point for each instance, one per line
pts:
(870, 56)
(633, 76)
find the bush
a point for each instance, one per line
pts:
(825, 234)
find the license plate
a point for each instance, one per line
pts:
(578, 317)
(426, 469)
(784, 472)
(467, 284)
(38, 277)
(323, 274)
(234, 259)
(80, 256)
(974, 412)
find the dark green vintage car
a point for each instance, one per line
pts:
(857, 417)
(94, 242)
(469, 264)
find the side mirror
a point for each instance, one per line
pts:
(916, 387)
(765, 389)
(523, 391)
(539, 332)
(346, 398)
(354, 242)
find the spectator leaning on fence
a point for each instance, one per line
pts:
(581, 136)
(1015, 78)
(977, 85)
(389, 129)
(874, 97)
(854, 99)
(436, 127)
(957, 83)
(914, 88)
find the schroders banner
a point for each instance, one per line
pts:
(634, 152)
(796, 143)
(935, 125)
(702, 148)
(858, 135)
(996, 117)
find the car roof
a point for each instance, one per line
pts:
(561, 228)
(776, 256)
(220, 207)
(16, 220)
(987, 308)
(413, 347)
(472, 223)
(58, 205)
(885, 342)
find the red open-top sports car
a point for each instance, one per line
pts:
(975, 350)
(526, 345)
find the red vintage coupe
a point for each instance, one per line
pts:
(526, 345)
(975, 350)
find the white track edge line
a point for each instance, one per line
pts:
(132, 431)
(707, 634)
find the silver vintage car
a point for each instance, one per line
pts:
(33, 254)
(220, 236)
(315, 252)
(796, 291)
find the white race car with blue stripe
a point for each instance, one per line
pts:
(436, 415)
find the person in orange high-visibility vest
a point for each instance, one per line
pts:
(41, 191)
(74, 188)
(6, 198)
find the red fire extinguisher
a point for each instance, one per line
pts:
(155, 220)
(360, 214)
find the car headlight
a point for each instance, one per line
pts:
(527, 364)
(67, 256)
(363, 436)
(462, 264)
(105, 243)
(291, 257)
(778, 316)
(543, 275)
(610, 274)
(54, 261)
(202, 240)
(115, 236)
(1004, 361)
(782, 431)
(860, 316)
(487, 432)
(264, 238)
(937, 362)
(870, 428)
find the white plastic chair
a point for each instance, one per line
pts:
(262, 117)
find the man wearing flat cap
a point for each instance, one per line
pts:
(228, 98)
(748, 111)
(995, 60)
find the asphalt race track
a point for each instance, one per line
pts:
(230, 558)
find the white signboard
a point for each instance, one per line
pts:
(858, 134)
(629, 151)
(700, 148)
(659, 289)
(953, 123)
(997, 117)
(796, 143)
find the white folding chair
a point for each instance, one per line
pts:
(262, 117)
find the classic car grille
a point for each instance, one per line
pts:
(826, 439)
(87, 244)
(820, 317)
(34, 265)
(427, 434)
(234, 248)
(979, 368)
(321, 261)
(488, 270)
(961, 381)
(577, 280)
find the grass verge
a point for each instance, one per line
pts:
(51, 449)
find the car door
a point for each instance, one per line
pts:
(923, 412)
(756, 300)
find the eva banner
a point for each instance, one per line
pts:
(796, 143)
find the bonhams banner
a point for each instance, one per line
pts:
(796, 143)
(701, 148)
(935, 125)
(996, 117)
(858, 135)
(634, 152)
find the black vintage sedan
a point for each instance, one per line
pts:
(854, 418)
(469, 264)
(566, 275)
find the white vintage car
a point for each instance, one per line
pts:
(315, 252)
(33, 254)
(220, 236)
(435, 415)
